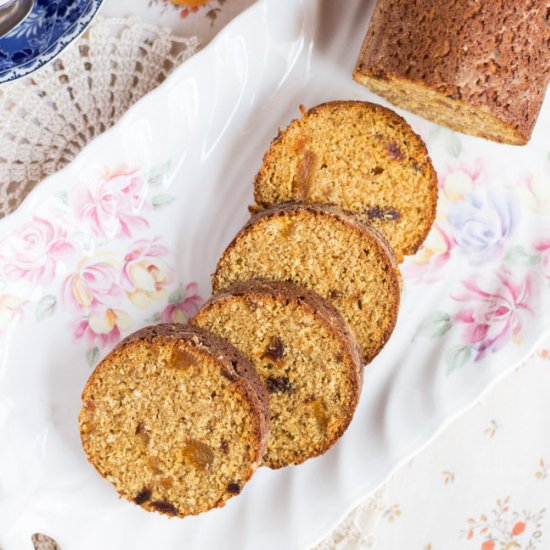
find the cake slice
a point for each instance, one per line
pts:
(326, 250)
(306, 355)
(362, 157)
(175, 418)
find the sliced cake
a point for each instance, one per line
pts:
(362, 157)
(175, 418)
(326, 250)
(479, 67)
(306, 355)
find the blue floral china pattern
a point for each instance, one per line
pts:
(50, 27)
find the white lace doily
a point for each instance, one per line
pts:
(47, 118)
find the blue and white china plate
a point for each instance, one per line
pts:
(50, 27)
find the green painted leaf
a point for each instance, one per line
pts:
(156, 175)
(434, 132)
(46, 307)
(158, 201)
(518, 256)
(63, 197)
(455, 145)
(435, 325)
(154, 318)
(177, 295)
(92, 356)
(457, 357)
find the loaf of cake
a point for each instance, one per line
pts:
(362, 157)
(326, 250)
(176, 419)
(306, 355)
(477, 66)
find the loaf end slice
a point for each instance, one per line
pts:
(176, 419)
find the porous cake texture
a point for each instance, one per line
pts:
(176, 419)
(359, 156)
(477, 66)
(306, 355)
(326, 250)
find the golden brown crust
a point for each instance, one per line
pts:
(420, 161)
(325, 313)
(234, 366)
(488, 56)
(368, 232)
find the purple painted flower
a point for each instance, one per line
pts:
(482, 223)
(494, 315)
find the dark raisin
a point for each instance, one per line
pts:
(224, 446)
(164, 507)
(142, 433)
(229, 375)
(233, 488)
(416, 167)
(385, 213)
(377, 170)
(143, 496)
(394, 151)
(275, 350)
(279, 384)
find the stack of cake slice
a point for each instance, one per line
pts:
(177, 416)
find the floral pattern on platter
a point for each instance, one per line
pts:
(482, 222)
(183, 303)
(428, 264)
(102, 290)
(494, 312)
(33, 251)
(505, 529)
(113, 206)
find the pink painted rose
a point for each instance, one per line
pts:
(102, 327)
(184, 308)
(32, 252)
(456, 182)
(495, 315)
(113, 203)
(11, 310)
(543, 248)
(145, 273)
(426, 266)
(94, 284)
